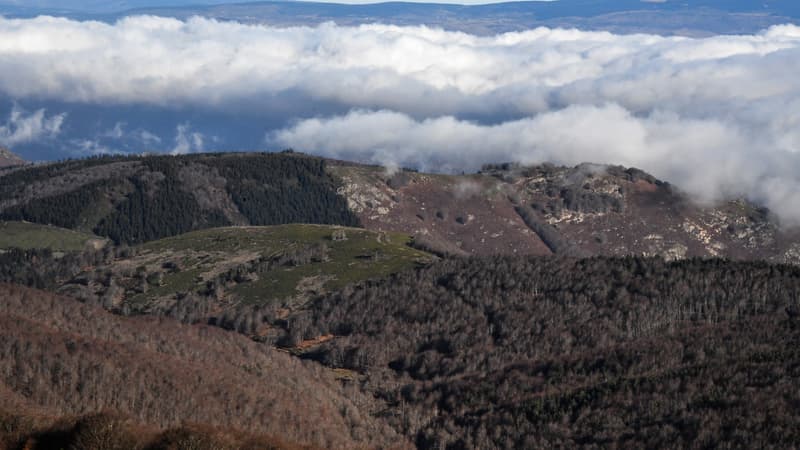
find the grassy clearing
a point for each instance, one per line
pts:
(29, 235)
(361, 255)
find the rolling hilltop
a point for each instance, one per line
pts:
(504, 209)
(574, 211)
(134, 200)
(243, 278)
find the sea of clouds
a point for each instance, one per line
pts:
(718, 116)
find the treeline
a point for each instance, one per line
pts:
(579, 199)
(546, 352)
(156, 209)
(151, 200)
(16, 180)
(551, 237)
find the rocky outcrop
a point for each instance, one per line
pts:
(589, 209)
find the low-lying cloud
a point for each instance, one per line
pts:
(708, 157)
(718, 116)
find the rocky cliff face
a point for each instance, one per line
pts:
(578, 211)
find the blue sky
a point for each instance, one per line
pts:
(119, 5)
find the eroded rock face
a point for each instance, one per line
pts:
(668, 250)
(591, 209)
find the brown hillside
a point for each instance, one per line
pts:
(585, 210)
(70, 359)
(8, 159)
(451, 214)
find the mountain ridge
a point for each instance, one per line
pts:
(699, 18)
(589, 209)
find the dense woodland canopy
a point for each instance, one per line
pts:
(41, 268)
(537, 353)
(513, 352)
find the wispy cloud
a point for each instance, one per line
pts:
(187, 141)
(23, 127)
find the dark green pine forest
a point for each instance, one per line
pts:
(137, 199)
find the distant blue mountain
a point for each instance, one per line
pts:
(98, 6)
(670, 17)
(544, 9)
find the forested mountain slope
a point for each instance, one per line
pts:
(139, 199)
(550, 352)
(481, 352)
(67, 358)
(503, 352)
(578, 211)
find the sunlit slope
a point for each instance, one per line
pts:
(199, 275)
(30, 235)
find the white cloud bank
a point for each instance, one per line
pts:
(709, 158)
(718, 116)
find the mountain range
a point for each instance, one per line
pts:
(461, 294)
(585, 210)
(695, 18)
(281, 300)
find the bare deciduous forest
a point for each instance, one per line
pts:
(550, 352)
(66, 358)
